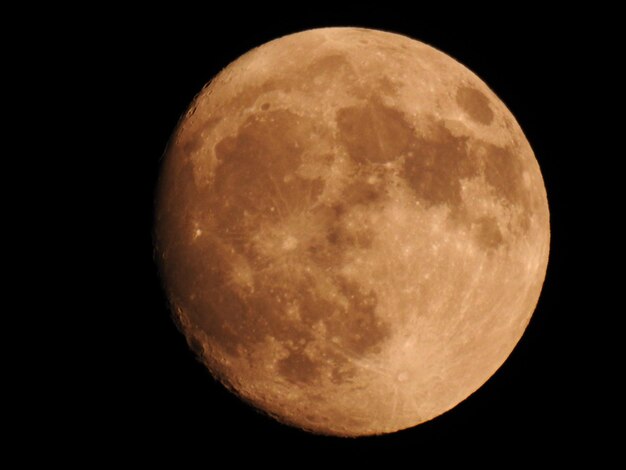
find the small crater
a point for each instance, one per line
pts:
(249, 95)
(196, 346)
(475, 104)
(265, 106)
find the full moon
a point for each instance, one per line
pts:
(352, 230)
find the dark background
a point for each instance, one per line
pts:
(155, 395)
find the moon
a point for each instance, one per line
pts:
(352, 230)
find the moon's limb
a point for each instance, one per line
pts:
(353, 230)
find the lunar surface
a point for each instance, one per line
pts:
(352, 230)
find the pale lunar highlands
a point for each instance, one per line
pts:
(352, 230)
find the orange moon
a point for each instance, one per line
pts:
(352, 230)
